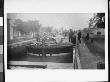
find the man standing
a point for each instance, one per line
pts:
(87, 36)
(70, 35)
(79, 36)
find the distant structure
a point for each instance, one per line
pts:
(9, 29)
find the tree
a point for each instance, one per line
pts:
(18, 26)
(97, 21)
(101, 23)
(27, 26)
(34, 25)
(47, 29)
(100, 15)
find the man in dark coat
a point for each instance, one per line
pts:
(87, 36)
(79, 36)
(70, 35)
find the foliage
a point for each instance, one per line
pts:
(47, 29)
(100, 23)
(97, 21)
(27, 26)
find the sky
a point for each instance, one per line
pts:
(75, 21)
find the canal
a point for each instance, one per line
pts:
(60, 58)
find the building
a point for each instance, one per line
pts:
(9, 30)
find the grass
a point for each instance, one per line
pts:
(92, 54)
(97, 47)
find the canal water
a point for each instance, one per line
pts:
(61, 58)
(56, 61)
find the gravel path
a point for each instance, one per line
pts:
(88, 60)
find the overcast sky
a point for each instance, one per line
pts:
(57, 20)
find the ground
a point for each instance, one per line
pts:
(91, 53)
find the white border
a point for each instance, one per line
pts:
(55, 6)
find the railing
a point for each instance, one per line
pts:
(76, 60)
(77, 64)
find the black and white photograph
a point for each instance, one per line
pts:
(55, 41)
